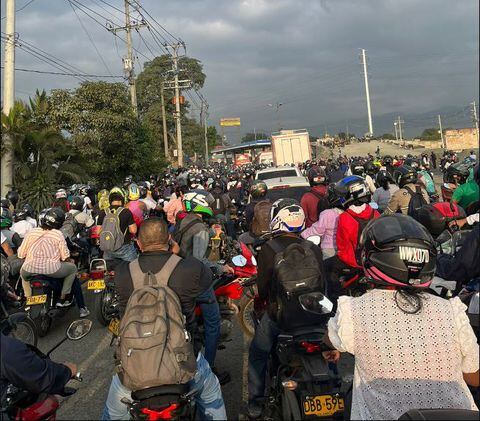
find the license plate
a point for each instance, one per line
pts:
(114, 326)
(323, 405)
(36, 299)
(96, 284)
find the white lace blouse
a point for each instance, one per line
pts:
(405, 361)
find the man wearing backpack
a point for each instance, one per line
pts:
(257, 213)
(410, 197)
(158, 271)
(222, 207)
(287, 221)
(315, 201)
(118, 225)
(354, 196)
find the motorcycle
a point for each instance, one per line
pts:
(22, 405)
(303, 384)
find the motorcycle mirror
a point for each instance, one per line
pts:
(316, 302)
(315, 239)
(373, 205)
(78, 329)
(254, 261)
(239, 260)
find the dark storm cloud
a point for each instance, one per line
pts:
(423, 54)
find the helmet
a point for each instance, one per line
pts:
(387, 160)
(127, 180)
(61, 194)
(370, 168)
(102, 193)
(398, 251)
(118, 192)
(77, 203)
(20, 215)
(53, 218)
(332, 196)
(28, 210)
(317, 176)
(435, 217)
(84, 190)
(352, 190)
(286, 215)
(5, 203)
(258, 189)
(143, 189)
(198, 201)
(457, 173)
(405, 175)
(13, 196)
(103, 202)
(95, 231)
(5, 218)
(133, 192)
(358, 169)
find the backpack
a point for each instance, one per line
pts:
(111, 235)
(261, 218)
(322, 203)
(154, 347)
(179, 232)
(296, 271)
(417, 201)
(219, 207)
(70, 227)
(362, 223)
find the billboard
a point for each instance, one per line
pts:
(229, 122)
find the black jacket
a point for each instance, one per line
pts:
(189, 279)
(464, 266)
(23, 368)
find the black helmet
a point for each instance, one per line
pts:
(352, 190)
(258, 190)
(53, 218)
(358, 169)
(20, 215)
(457, 173)
(4, 203)
(332, 196)
(398, 251)
(77, 203)
(370, 168)
(28, 210)
(435, 217)
(387, 160)
(12, 195)
(405, 175)
(142, 189)
(317, 176)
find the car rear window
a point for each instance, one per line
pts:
(276, 174)
(287, 192)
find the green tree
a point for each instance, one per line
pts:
(249, 137)
(430, 134)
(388, 136)
(342, 135)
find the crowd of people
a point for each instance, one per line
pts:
(375, 216)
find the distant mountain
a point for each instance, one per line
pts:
(414, 123)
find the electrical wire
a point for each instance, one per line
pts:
(19, 69)
(21, 8)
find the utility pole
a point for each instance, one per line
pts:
(8, 92)
(177, 85)
(400, 122)
(128, 61)
(396, 132)
(475, 120)
(367, 92)
(204, 114)
(441, 131)
(164, 124)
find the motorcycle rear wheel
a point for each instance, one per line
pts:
(245, 316)
(25, 331)
(42, 322)
(102, 303)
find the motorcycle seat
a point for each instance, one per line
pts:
(308, 332)
(171, 389)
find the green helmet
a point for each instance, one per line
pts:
(198, 201)
(5, 219)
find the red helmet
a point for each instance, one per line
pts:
(95, 231)
(435, 217)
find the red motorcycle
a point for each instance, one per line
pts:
(22, 405)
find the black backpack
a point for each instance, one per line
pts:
(417, 201)
(296, 271)
(219, 206)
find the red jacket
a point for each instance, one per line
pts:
(347, 234)
(309, 203)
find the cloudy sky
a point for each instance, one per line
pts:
(423, 54)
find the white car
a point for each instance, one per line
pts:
(277, 173)
(287, 187)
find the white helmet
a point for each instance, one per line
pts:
(61, 194)
(287, 215)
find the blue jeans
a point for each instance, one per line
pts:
(260, 348)
(208, 399)
(211, 323)
(127, 253)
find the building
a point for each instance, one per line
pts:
(458, 139)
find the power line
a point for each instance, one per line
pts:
(21, 8)
(19, 69)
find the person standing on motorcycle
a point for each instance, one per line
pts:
(46, 252)
(314, 201)
(188, 280)
(412, 349)
(407, 179)
(193, 237)
(287, 222)
(24, 369)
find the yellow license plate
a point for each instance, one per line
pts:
(323, 406)
(114, 326)
(96, 284)
(36, 299)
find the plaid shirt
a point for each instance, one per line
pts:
(43, 250)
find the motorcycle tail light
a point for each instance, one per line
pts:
(289, 384)
(165, 414)
(309, 347)
(36, 284)
(96, 274)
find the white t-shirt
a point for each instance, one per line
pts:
(22, 227)
(405, 361)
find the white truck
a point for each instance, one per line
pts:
(291, 147)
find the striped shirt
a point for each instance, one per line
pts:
(43, 250)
